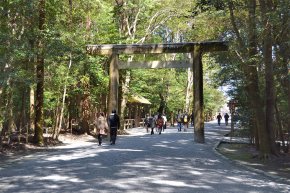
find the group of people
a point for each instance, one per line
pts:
(158, 122)
(102, 125)
(219, 118)
(183, 120)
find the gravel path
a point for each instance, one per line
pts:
(169, 163)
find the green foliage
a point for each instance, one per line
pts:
(69, 28)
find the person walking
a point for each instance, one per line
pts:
(102, 127)
(179, 120)
(226, 119)
(149, 124)
(146, 122)
(155, 121)
(159, 123)
(152, 123)
(185, 121)
(192, 119)
(219, 118)
(164, 122)
(114, 123)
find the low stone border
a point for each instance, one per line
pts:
(239, 163)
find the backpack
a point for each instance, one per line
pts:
(113, 120)
(146, 121)
(185, 118)
(160, 122)
(150, 122)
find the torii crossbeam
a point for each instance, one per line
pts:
(195, 48)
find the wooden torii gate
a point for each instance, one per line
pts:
(196, 49)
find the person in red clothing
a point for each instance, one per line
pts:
(160, 123)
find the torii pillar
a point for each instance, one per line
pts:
(113, 83)
(198, 95)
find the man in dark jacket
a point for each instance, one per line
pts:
(226, 118)
(179, 119)
(219, 117)
(114, 123)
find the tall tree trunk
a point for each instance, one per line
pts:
(121, 16)
(32, 61)
(85, 108)
(198, 95)
(38, 135)
(250, 71)
(279, 123)
(56, 134)
(284, 78)
(70, 9)
(5, 97)
(188, 95)
(56, 116)
(162, 103)
(254, 91)
(127, 24)
(31, 113)
(8, 113)
(125, 77)
(266, 8)
(283, 51)
(23, 109)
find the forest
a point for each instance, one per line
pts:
(48, 80)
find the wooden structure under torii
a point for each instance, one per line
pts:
(196, 49)
(137, 107)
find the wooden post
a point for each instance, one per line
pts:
(136, 115)
(198, 95)
(129, 111)
(113, 84)
(139, 115)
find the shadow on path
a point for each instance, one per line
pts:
(140, 162)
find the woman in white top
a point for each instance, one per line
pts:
(164, 121)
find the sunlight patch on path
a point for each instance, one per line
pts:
(58, 178)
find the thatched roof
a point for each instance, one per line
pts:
(138, 99)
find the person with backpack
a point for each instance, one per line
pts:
(185, 121)
(151, 124)
(114, 123)
(179, 120)
(146, 123)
